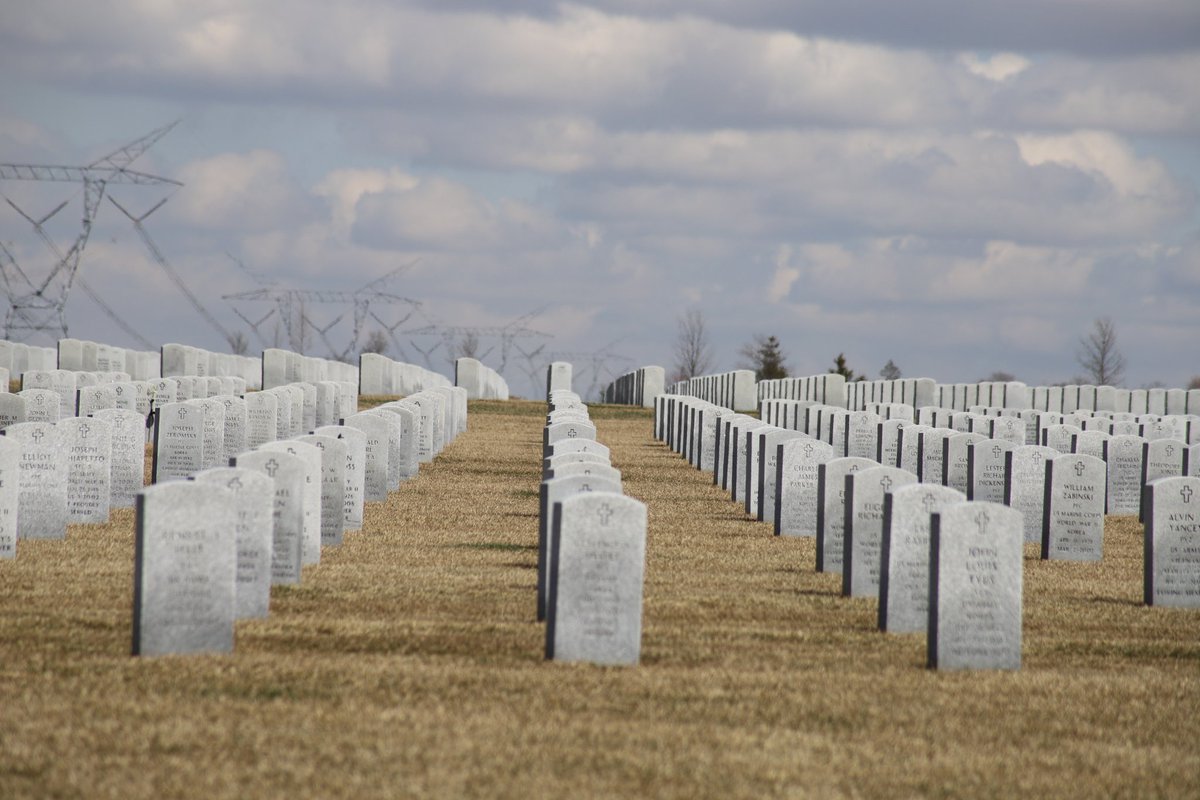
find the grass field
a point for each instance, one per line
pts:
(408, 663)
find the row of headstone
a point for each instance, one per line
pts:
(16, 357)
(182, 360)
(209, 548)
(558, 377)
(855, 508)
(829, 389)
(637, 388)
(203, 432)
(481, 381)
(281, 367)
(924, 550)
(1009, 395)
(379, 375)
(49, 395)
(591, 544)
(70, 471)
(737, 390)
(81, 355)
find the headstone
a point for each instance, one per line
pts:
(594, 611)
(931, 452)
(87, 443)
(566, 430)
(128, 458)
(862, 435)
(356, 470)
(234, 439)
(1090, 443)
(42, 505)
(796, 476)
(1025, 485)
(1073, 522)
(252, 495)
(1172, 543)
(954, 460)
(333, 486)
(10, 495)
(395, 443)
(975, 588)
(378, 432)
(12, 409)
(550, 492)
(214, 431)
(831, 511)
(185, 569)
(41, 405)
(1123, 457)
(904, 554)
(986, 469)
(761, 503)
(178, 441)
(287, 473)
(311, 501)
(865, 492)
(262, 410)
(1059, 437)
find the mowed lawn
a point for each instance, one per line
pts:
(408, 663)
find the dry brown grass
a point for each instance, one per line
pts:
(408, 664)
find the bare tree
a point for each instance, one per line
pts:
(468, 345)
(238, 345)
(999, 376)
(376, 342)
(693, 353)
(1102, 362)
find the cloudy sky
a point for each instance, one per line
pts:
(959, 187)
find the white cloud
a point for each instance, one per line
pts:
(240, 192)
(998, 67)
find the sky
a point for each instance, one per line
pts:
(961, 188)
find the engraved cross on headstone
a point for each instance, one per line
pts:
(929, 501)
(235, 483)
(571, 433)
(605, 513)
(271, 467)
(183, 413)
(1079, 468)
(997, 450)
(1169, 450)
(808, 449)
(84, 430)
(1186, 494)
(886, 483)
(982, 519)
(37, 436)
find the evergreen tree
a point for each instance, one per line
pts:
(765, 356)
(890, 371)
(840, 368)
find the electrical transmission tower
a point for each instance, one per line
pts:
(290, 310)
(456, 339)
(38, 305)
